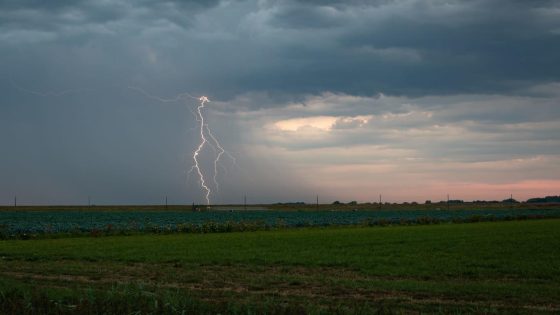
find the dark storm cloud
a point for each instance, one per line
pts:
(461, 46)
(57, 16)
(249, 55)
(483, 47)
(360, 47)
(302, 17)
(408, 47)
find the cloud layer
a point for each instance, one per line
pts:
(476, 146)
(348, 99)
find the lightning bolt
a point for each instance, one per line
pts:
(177, 98)
(204, 131)
(203, 100)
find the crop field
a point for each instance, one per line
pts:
(36, 222)
(486, 267)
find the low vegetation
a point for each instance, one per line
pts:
(36, 222)
(489, 267)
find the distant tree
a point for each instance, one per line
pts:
(547, 199)
(510, 200)
(428, 202)
(336, 202)
(353, 203)
(456, 201)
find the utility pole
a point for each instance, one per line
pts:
(15, 201)
(379, 201)
(447, 202)
(317, 202)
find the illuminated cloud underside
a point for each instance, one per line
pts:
(414, 147)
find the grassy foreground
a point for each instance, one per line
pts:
(507, 267)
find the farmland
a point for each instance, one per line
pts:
(32, 222)
(486, 267)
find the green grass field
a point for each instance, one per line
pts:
(503, 267)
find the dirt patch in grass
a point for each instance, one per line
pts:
(332, 285)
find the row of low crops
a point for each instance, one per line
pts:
(32, 224)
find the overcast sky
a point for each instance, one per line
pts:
(411, 99)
